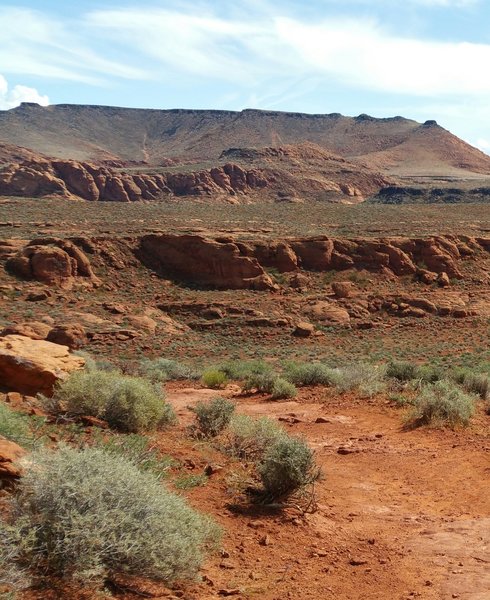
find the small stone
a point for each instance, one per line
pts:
(357, 562)
(265, 540)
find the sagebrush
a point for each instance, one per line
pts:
(87, 515)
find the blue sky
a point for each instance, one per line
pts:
(423, 59)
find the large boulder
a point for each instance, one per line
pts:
(34, 366)
(52, 261)
(329, 313)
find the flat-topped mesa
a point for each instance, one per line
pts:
(393, 145)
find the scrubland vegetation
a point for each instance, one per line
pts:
(87, 510)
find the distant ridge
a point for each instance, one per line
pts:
(393, 145)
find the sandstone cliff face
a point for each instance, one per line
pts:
(227, 263)
(71, 179)
(203, 261)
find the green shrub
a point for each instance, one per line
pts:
(475, 383)
(367, 379)
(160, 370)
(14, 426)
(214, 379)
(287, 466)
(241, 369)
(249, 438)
(401, 370)
(442, 403)
(137, 449)
(262, 382)
(282, 388)
(96, 364)
(212, 417)
(309, 374)
(87, 515)
(127, 403)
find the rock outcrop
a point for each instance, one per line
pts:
(52, 261)
(203, 261)
(10, 454)
(34, 366)
(71, 179)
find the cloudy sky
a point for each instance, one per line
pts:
(423, 59)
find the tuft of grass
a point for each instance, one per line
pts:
(130, 404)
(262, 382)
(187, 482)
(213, 417)
(14, 426)
(87, 515)
(442, 403)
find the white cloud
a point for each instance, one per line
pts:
(33, 43)
(19, 93)
(246, 50)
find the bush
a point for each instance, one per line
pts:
(282, 388)
(212, 417)
(249, 438)
(368, 379)
(165, 369)
(475, 383)
(442, 403)
(241, 369)
(287, 466)
(137, 449)
(214, 379)
(14, 426)
(127, 403)
(262, 382)
(401, 370)
(87, 515)
(309, 374)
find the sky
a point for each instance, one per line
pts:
(422, 59)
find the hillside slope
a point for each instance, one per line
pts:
(95, 133)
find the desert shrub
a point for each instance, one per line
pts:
(14, 426)
(429, 373)
(87, 515)
(282, 388)
(241, 369)
(138, 449)
(249, 438)
(262, 382)
(214, 379)
(287, 466)
(212, 417)
(442, 403)
(160, 370)
(367, 379)
(96, 364)
(127, 403)
(475, 383)
(401, 370)
(309, 374)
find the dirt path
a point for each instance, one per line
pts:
(401, 514)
